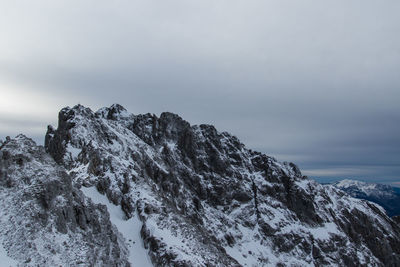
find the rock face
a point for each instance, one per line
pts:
(396, 219)
(386, 196)
(44, 219)
(206, 200)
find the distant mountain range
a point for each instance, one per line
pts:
(111, 188)
(386, 196)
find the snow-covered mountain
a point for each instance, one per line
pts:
(386, 196)
(183, 195)
(45, 220)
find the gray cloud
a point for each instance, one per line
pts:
(311, 82)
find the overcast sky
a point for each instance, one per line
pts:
(313, 82)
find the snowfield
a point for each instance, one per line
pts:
(129, 228)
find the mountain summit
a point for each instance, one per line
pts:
(188, 195)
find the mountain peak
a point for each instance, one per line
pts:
(205, 199)
(114, 112)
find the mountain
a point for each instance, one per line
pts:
(188, 195)
(386, 196)
(44, 219)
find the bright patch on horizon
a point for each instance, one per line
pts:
(396, 184)
(23, 103)
(337, 172)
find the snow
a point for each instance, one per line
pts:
(130, 229)
(176, 241)
(73, 151)
(304, 184)
(369, 189)
(247, 252)
(362, 186)
(6, 260)
(324, 233)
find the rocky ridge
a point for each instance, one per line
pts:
(206, 200)
(45, 220)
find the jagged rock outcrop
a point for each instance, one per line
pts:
(206, 200)
(45, 220)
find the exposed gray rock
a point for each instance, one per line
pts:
(206, 200)
(396, 219)
(44, 219)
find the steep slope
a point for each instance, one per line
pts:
(206, 200)
(384, 195)
(44, 219)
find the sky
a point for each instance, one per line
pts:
(312, 82)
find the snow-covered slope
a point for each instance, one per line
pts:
(382, 194)
(204, 199)
(44, 219)
(129, 228)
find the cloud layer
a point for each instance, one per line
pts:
(307, 81)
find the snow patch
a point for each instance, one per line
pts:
(6, 260)
(130, 229)
(74, 152)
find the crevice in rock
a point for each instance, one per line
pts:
(254, 189)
